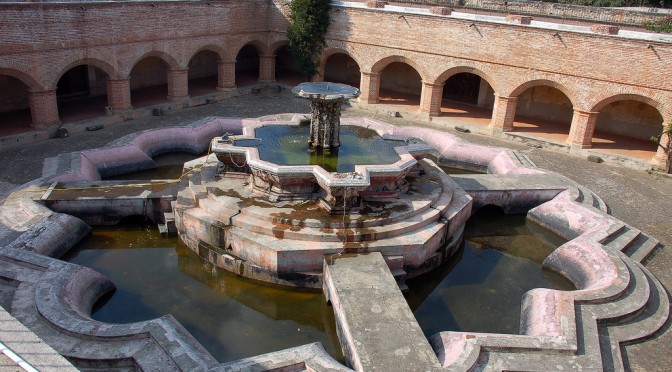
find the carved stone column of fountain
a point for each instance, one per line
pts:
(326, 100)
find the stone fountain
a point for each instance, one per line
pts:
(278, 230)
(269, 221)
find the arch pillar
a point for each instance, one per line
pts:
(43, 108)
(119, 94)
(267, 69)
(226, 75)
(430, 98)
(661, 159)
(178, 84)
(370, 87)
(582, 129)
(503, 113)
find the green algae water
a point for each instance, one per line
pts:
(288, 145)
(232, 318)
(479, 290)
(168, 166)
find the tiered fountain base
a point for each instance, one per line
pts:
(227, 221)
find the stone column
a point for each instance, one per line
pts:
(325, 123)
(226, 75)
(369, 87)
(178, 84)
(430, 99)
(661, 158)
(267, 69)
(503, 113)
(43, 108)
(119, 95)
(581, 131)
(484, 92)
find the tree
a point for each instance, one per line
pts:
(309, 21)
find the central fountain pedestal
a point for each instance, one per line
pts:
(325, 123)
(326, 100)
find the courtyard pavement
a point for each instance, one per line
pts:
(639, 198)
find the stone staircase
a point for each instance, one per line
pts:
(290, 238)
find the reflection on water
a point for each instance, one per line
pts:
(480, 290)
(451, 170)
(231, 317)
(288, 145)
(168, 166)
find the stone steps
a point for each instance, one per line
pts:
(631, 302)
(307, 256)
(650, 319)
(391, 211)
(340, 235)
(631, 241)
(168, 228)
(584, 196)
(642, 248)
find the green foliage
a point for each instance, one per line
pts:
(663, 25)
(309, 21)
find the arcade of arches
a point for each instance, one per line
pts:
(623, 125)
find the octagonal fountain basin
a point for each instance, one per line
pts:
(267, 208)
(283, 166)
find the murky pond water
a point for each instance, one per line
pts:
(233, 318)
(479, 290)
(168, 166)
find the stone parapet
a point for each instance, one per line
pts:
(555, 10)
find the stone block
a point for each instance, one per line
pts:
(440, 10)
(519, 19)
(604, 29)
(375, 4)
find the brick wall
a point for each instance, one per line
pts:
(43, 40)
(40, 41)
(588, 68)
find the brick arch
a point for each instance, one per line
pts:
(343, 47)
(30, 82)
(102, 65)
(441, 79)
(539, 82)
(658, 105)
(260, 45)
(219, 51)
(169, 60)
(382, 63)
(277, 45)
(331, 51)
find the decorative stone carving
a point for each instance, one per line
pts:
(326, 100)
